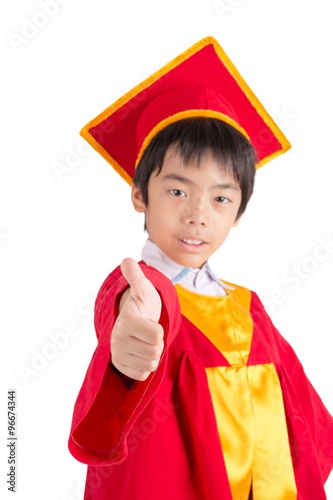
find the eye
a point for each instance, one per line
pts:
(177, 192)
(222, 199)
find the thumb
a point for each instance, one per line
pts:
(145, 299)
(134, 276)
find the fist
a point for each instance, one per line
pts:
(137, 337)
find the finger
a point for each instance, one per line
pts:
(144, 350)
(144, 329)
(142, 364)
(134, 373)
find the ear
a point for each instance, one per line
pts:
(237, 221)
(137, 200)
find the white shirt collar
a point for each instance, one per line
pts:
(192, 278)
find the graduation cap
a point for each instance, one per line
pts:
(200, 82)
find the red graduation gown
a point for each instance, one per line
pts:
(159, 439)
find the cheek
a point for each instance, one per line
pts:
(158, 219)
(223, 230)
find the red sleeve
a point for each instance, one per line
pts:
(105, 409)
(310, 409)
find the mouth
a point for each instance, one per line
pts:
(192, 244)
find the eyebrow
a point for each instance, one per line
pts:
(185, 180)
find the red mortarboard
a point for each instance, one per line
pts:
(202, 81)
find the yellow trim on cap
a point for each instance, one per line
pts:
(190, 113)
(127, 97)
(149, 81)
(97, 146)
(156, 76)
(252, 98)
(265, 160)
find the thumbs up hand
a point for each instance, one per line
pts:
(137, 337)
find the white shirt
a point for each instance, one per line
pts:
(202, 281)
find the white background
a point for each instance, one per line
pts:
(61, 235)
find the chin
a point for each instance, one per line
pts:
(192, 262)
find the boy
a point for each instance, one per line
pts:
(191, 392)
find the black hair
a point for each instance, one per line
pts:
(194, 137)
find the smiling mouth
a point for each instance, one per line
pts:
(192, 242)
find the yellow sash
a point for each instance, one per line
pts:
(247, 399)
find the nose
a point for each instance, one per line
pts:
(196, 214)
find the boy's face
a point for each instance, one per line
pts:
(190, 210)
